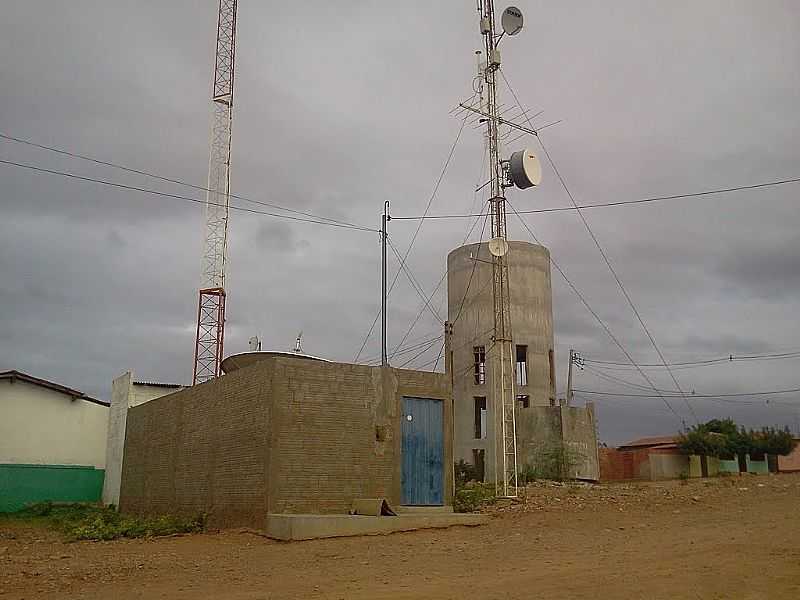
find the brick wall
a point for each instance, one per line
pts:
(283, 435)
(202, 449)
(621, 466)
(790, 462)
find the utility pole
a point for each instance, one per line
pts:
(385, 218)
(569, 378)
(577, 360)
(211, 305)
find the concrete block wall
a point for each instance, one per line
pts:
(671, 465)
(281, 436)
(327, 421)
(542, 428)
(125, 394)
(202, 449)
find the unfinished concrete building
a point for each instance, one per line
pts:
(542, 422)
(287, 435)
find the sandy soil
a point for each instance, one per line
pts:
(722, 538)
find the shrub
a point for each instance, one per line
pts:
(91, 522)
(465, 472)
(470, 497)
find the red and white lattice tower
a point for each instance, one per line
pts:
(211, 305)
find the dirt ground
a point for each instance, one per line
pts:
(736, 537)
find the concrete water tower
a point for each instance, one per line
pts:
(470, 310)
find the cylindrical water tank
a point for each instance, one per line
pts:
(470, 310)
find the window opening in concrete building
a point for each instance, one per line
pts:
(552, 374)
(522, 365)
(479, 353)
(524, 401)
(480, 417)
(479, 462)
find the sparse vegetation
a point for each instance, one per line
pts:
(465, 472)
(92, 522)
(556, 462)
(471, 496)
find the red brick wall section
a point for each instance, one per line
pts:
(622, 466)
(791, 462)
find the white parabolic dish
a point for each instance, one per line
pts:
(511, 20)
(525, 169)
(498, 247)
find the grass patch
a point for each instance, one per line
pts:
(92, 522)
(471, 496)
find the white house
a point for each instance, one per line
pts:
(52, 442)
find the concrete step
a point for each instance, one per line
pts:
(310, 527)
(423, 510)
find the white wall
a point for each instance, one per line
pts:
(42, 426)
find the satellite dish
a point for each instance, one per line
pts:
(498, 247)
(525, 169)
(511, 20)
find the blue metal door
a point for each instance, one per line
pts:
(423, 452)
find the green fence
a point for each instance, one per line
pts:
(729, 466)
(21, 485)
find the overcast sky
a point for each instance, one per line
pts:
(340, 105)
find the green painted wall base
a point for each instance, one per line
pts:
(21, 485)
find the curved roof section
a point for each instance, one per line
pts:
(234, 362)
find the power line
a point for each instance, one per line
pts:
(620, 202)
(594, 313)
(414, 283)
(416, 233)
(179, 197)
(603, 253)
(418, 343)
(614, 273)
(166, 179)
(416, 356)
(710, 361)
(436, 289)
(472, 272)
(736, 395)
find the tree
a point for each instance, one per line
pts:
(722, 438)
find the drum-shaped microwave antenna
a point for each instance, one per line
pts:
(525, 169)
(511, 20)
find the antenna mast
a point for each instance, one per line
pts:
(211, 306)
(505, 456)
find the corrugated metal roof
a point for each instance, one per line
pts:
(74, 394)
(657, 440)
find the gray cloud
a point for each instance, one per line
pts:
(341, 106)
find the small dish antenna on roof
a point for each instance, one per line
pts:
(498, 247)
(524, 169)
(511, 20)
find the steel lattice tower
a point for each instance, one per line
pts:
(502, 366)
(211, 305)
